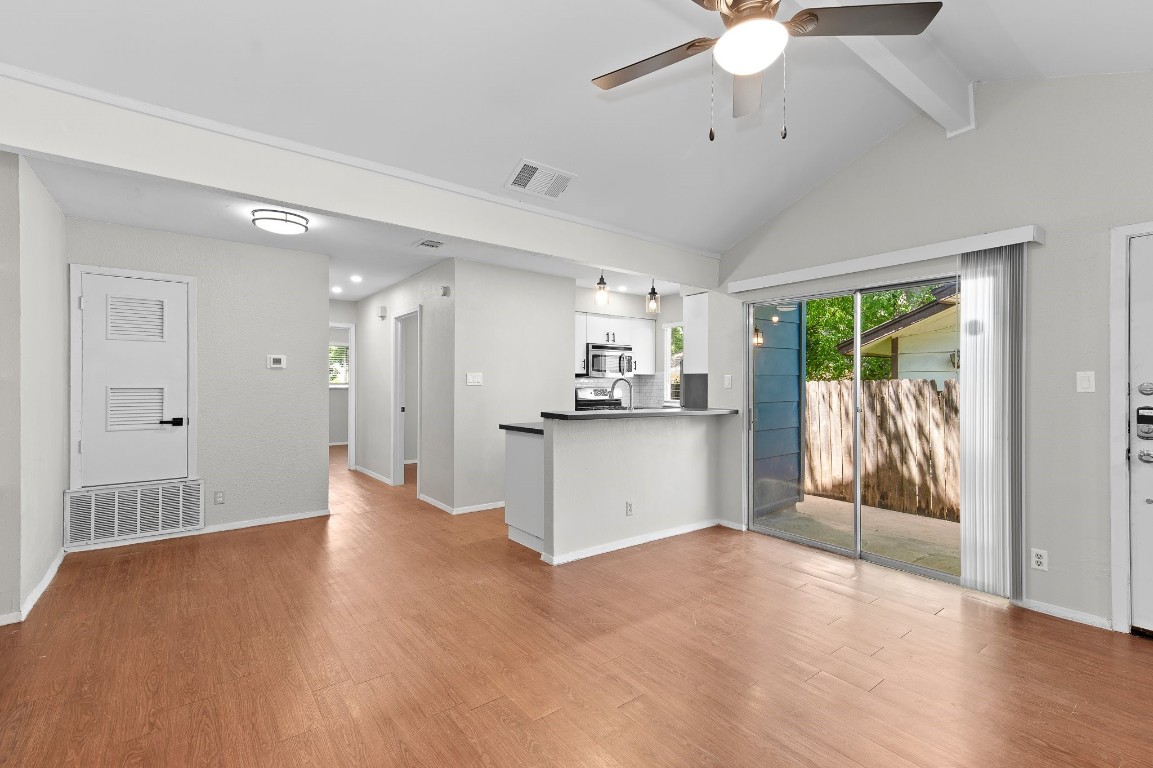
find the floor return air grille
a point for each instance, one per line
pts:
(125, 512)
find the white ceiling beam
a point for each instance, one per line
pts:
(922, 72)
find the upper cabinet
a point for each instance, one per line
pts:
(638, 332)
(579, 336)
(644, 341)
(607, 329)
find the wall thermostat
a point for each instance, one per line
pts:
(277, 361)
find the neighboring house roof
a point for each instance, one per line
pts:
(944, 297)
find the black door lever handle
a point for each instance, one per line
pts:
(177, 422)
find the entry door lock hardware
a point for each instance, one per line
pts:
(176, 422)
(1145, 422)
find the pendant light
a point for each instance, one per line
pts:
(601, 294)
(653, 302)
(758, 337)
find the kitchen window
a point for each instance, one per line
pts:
(674, 351)
(337, 365)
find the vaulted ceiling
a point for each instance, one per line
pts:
(461, 91)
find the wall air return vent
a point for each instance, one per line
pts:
(540, 180)
(97, 515)
(429, 244)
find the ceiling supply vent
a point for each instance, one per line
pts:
(99, 515)
(429, 243)
(539, 180)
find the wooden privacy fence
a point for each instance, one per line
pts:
(910, 445)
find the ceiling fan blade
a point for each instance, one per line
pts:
(653, 63)
(898, 19)
(747, 94)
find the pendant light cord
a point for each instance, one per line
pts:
(712, 98)
(784, 95)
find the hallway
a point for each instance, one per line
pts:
(392, 633)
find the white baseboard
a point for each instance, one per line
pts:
(734, 526)
(201, 531)
(601, 549)
(1066, 613)
(411, 461)
(49, 574)
(458, 510)
(373, 475)
(526, 539)
(10, 618)
(332, 444)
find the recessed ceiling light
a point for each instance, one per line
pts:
(356, 278)
(279, 222)
(337, 289)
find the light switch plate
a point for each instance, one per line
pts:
(474, 379)
(728, 381)
(1086, 381)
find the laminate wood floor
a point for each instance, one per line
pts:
(394, 634)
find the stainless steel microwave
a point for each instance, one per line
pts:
(609, 361)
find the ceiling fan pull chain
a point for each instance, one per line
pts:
(784, 95)
(712, 99)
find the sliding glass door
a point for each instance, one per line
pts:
(855, 425)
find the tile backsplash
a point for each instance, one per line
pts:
(648, 391)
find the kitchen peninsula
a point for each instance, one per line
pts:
(581, 483)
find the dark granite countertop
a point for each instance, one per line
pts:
(534, 428)
(640, 413)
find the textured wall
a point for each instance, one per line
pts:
(262, 433)
(1071, 155)
(9, 385)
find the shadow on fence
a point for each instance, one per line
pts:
(910, 445)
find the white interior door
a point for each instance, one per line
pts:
(134, 380)
(1141, 428)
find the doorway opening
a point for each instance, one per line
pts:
(855, 440)
(406, 399)
(342, 389)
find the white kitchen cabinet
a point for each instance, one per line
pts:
(608, 329)
(644, 340)
(579, 337)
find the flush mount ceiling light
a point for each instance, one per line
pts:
(653, 301)
(786, 306)
(279, 222)
(751, 46)
(356, 278)
(601, 292)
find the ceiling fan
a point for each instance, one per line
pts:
(754, 39)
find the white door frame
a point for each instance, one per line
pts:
(351, 390)
(397, 385)
(76, 365)
(1120, 554)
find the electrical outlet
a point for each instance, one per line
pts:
(1040, 559)
(218, 497)
(628, 509)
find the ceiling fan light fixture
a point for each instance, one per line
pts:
(279, 222)
(751, 46)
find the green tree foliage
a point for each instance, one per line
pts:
(830, 322)
(677, 341)
(337, 364)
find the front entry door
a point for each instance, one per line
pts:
(134, 380)
(1141, 428)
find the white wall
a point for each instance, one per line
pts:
(411, 390)
(44, 341)
(515, 327)
(262, 432)
(1071, 155)
(373, 383)
(696, 330)
(9, 387)
(341, 311)
(620, 304)
(728, 347)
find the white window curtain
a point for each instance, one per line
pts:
(992, 351)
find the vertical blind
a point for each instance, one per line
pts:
(992, 350)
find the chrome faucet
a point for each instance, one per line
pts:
(613, 390)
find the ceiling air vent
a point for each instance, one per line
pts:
(539, 180)
(429, 243)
